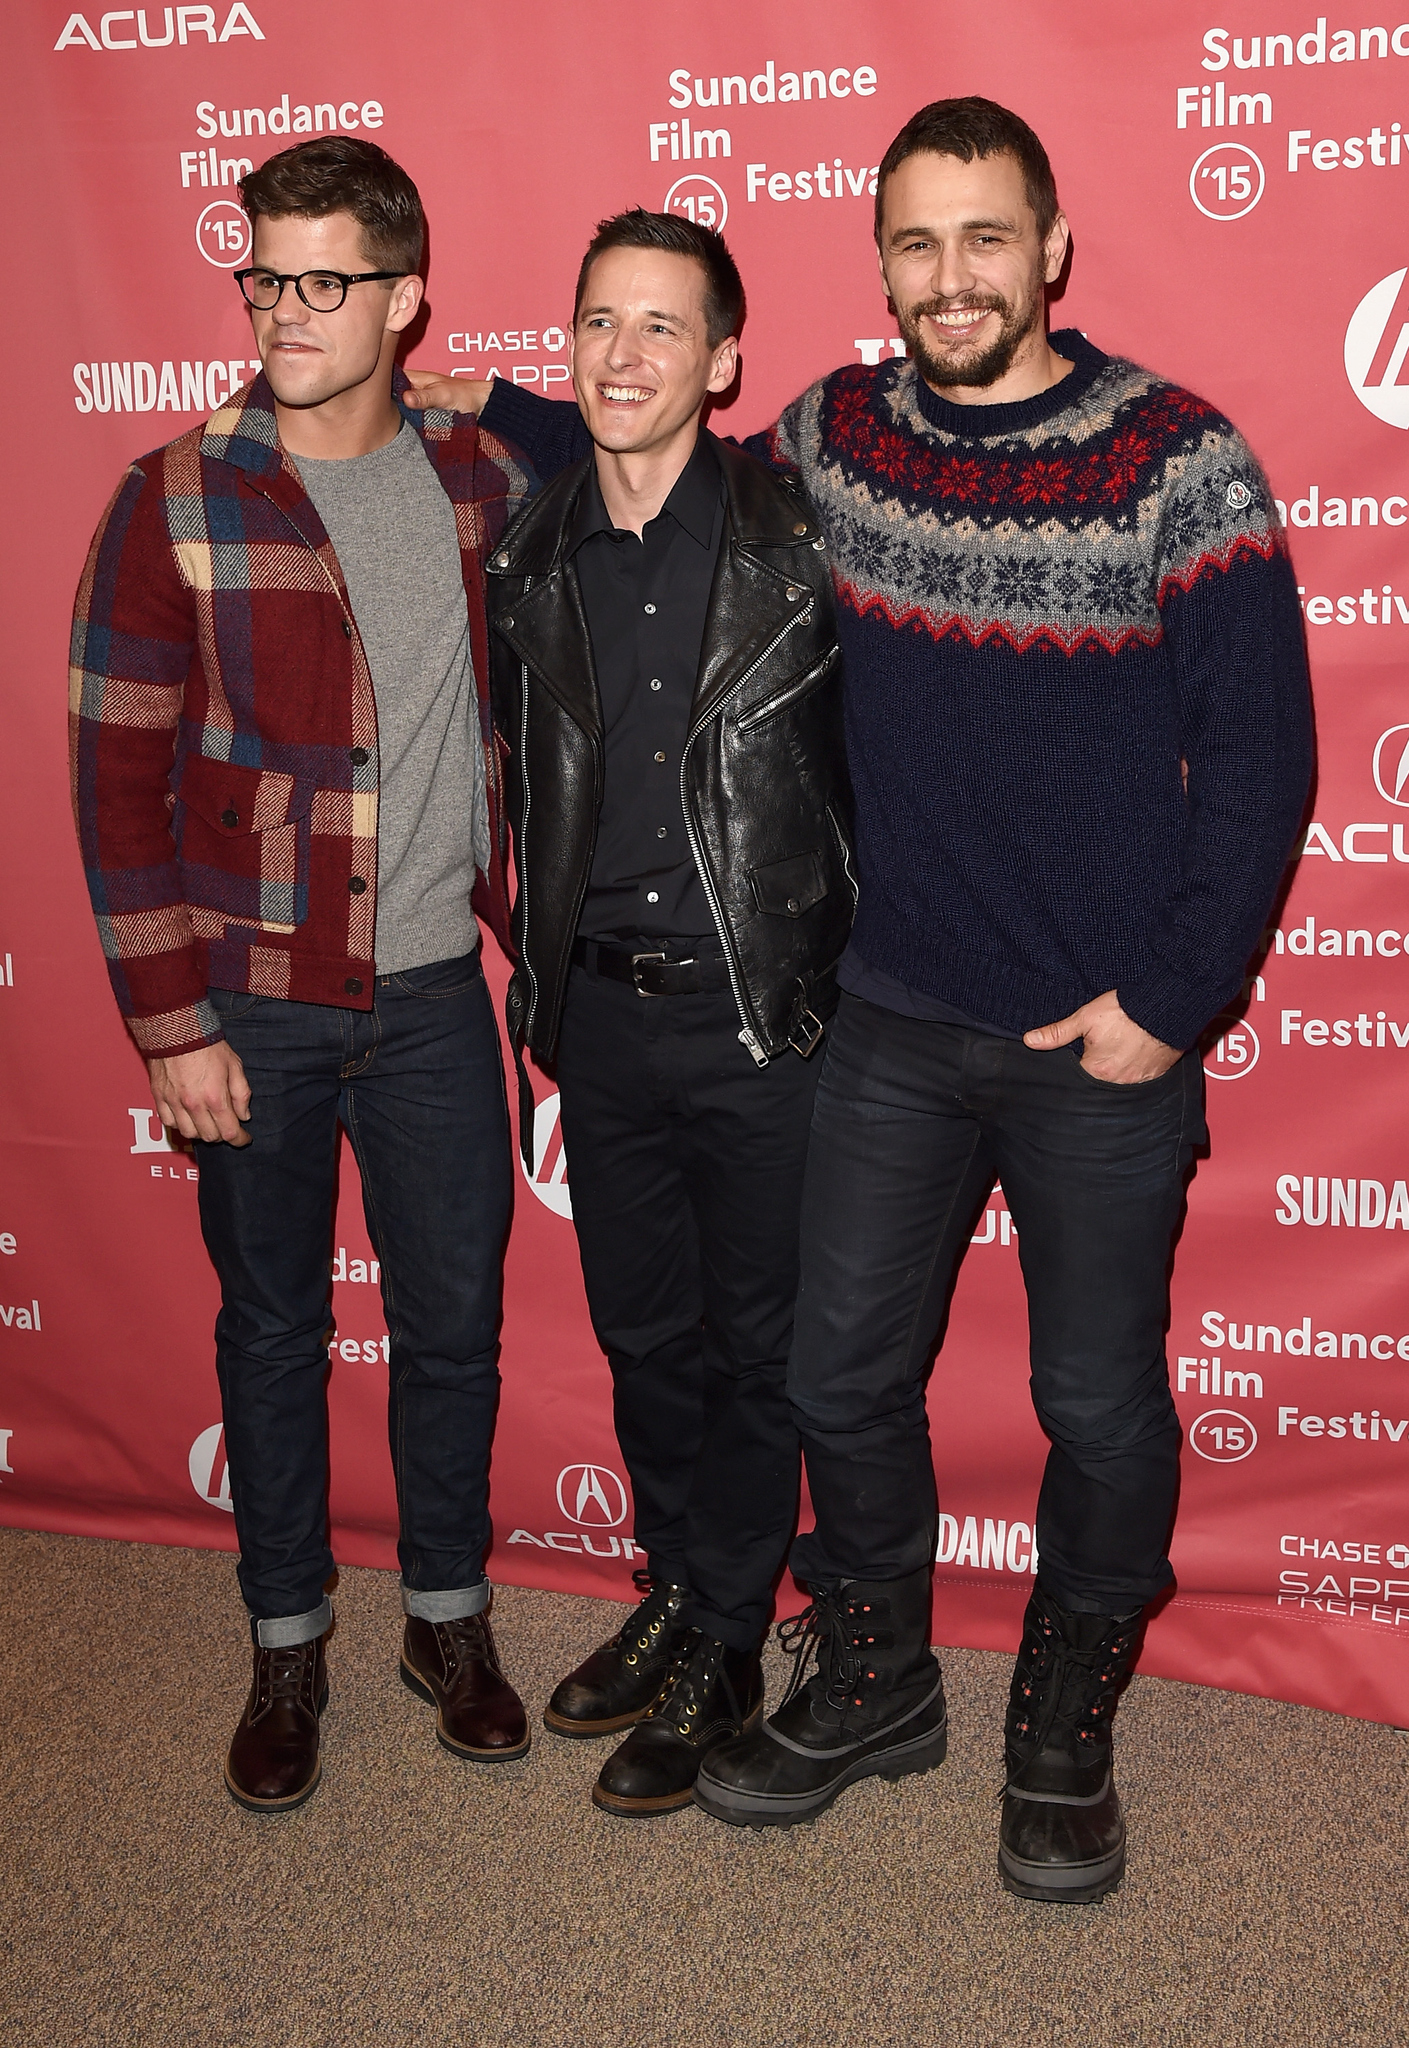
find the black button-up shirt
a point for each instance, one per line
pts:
(646, 601)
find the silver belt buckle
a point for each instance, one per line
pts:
(636, 960)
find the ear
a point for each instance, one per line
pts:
(406, 296)
(726, 363)
(1054, 249)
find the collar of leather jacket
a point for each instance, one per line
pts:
(761, 510)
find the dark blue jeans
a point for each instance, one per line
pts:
(914, 1121)
(417, 1083)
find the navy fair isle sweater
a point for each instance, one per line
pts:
(1047, 609)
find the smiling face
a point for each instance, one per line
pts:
(311, 358)
(642, 360)
(965, 268)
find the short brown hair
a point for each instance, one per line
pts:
(968, 128)
(344, 174)
(678, 236)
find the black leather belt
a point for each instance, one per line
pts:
(652, 973)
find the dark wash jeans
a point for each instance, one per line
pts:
(913, 1122)
(686, 1165)
(418, 1084)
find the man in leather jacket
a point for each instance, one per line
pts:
(665, 678)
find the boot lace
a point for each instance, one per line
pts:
(657, 1607)
(827, 1627)
(687, 1684)
(468, 1636)
(1079, 1688)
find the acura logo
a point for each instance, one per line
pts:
(549, 1178)
(210, 1474)
(1392, 766)
(1376, 344)
(592, 1496)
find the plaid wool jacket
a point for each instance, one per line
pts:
(223, 731)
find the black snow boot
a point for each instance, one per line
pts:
(874, 1707)
(1063, 1834)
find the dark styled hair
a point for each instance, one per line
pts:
(678, 236)
(344, 174)
(968, 128)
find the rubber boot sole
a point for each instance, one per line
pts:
(589, 1731)
(1071, 1884)
(416, 1684)
(925, 1752)
(668, 1802)
(292, 1800)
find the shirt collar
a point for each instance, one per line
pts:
(693, 503)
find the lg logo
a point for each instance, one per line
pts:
(210, 1473)
(1376, 344)
(1392, 765)
(592, 1496)
(549, 1178)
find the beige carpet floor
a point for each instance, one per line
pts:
(418, 1899)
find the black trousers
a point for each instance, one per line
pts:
(913, 1122)
(686, 1165)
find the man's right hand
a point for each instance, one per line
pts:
(452, 394)
(203, 1094)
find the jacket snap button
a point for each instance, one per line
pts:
(793, 905)
(357, 884)
(230, 819)
(801, 527)
(506, 622)
(352, 985)
(359, 757)
(793, 594)
(820, 546)
(501, 561)
(347, 629)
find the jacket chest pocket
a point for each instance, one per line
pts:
(788, 694)
(244, 840)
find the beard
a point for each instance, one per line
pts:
(972, 365)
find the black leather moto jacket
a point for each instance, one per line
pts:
(763, 779)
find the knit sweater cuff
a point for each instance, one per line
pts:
(1164, 1004)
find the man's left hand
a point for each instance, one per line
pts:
(1117, 1048)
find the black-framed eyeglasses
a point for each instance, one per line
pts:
(322, 291)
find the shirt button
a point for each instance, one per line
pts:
(660, 757)
(359, 757)
(230, 819)
(660, 832)
(650, 608)
(358, 884)
(655, 682)
(653, 896)
(347, 629)
(352, 985)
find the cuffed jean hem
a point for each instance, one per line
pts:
(287, 1631)
(452, 1605)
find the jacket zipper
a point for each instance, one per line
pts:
(748, 1037)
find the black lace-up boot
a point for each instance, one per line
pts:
(874, 1707)
(1063, 1834)
(711, 1693)
(615, 1685)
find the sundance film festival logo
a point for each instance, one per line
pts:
(1376, 345)
(210, 1470)
(592, 1496)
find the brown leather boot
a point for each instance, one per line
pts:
(273, 1764)
(455, 1666)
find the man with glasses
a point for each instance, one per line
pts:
(288, 812)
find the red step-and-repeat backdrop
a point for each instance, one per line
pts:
(1237, 179)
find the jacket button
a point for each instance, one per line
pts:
(347, 628)
(359, 757)
(352, 985)
(506, 622)
(794, 593)
(357, 884)
(501, 561)
(793, 905)
(660, 757)
(801, 527)
(821, 546)
(230, 819)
